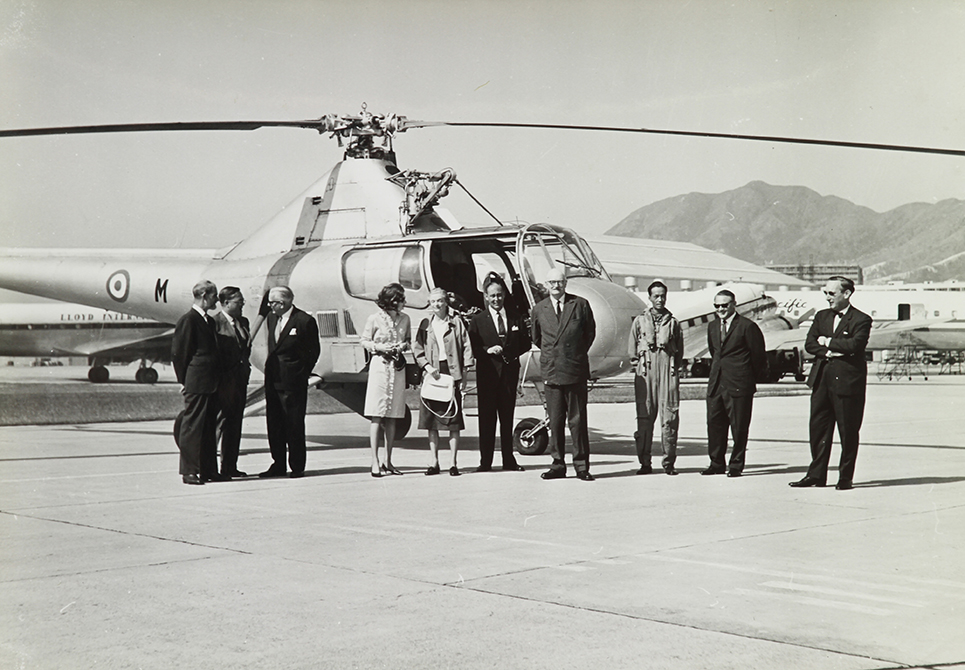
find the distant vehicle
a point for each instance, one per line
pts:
(102, 336)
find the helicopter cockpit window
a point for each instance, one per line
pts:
(544, 249)
(366, 271)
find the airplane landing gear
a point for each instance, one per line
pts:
(98, 374)
(145, 375)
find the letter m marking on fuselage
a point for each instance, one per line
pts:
(161, 291)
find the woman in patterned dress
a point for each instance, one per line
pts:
(386, 337)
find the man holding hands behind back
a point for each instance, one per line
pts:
(293, 349)
(234, 346)
(838, 380)
(194, 352)
(563, 329)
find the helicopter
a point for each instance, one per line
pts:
(364, 224)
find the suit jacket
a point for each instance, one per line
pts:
(848, 372)
(483, 335)
(235, 353)
(194, 352)
(564, 343)
(291, 359)
(740, 361)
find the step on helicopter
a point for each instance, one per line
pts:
(362, 225)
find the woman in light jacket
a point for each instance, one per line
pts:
(386, 336)
(442, 347)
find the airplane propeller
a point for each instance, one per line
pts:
(370, 125)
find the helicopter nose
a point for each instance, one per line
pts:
(614, 309)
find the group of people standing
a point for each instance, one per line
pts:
(837, 338)
(211, 360)
(211, 357)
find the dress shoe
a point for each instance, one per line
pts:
(645, 470)
(454, 471)
(392, 470)
(216, 477)
(192, 479)
(296, 475)
(844, 486)
(515, 467)
(228, 474)
(585, 476)
(272, 472)
(807, 482)
(553, 474)
(485, 468)
(734, 473)
(433, 470)
(670, 470)
(713, 470)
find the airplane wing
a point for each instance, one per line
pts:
(884, 335)
(157, 348)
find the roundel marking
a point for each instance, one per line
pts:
(119, 285)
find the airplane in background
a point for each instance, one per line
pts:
(102, 336)
(928, 316)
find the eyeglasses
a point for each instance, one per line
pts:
(724, 306)
(275, 302)
(555, 282)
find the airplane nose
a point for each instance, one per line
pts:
(614, 309)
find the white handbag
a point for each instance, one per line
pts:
(440, 390)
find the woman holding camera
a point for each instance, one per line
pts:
(386, 336)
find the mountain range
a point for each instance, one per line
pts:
(766, 224)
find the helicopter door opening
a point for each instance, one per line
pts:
(461, 267)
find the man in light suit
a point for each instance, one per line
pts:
(563, 329)
(738, 362)
(234, 346)
(498, 338)
(293, 349)
(839, 376)
(194, 352)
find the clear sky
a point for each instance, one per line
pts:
(877, 71)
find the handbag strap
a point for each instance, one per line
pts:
(452, 407)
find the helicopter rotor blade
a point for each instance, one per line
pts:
(316, 124)
(334, 123)
(732, 136)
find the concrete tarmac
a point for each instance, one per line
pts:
(108, 560)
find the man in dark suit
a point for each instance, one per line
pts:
(293, 349)
(563, 329)
(839, 376)
(738, 362)
(498, 338)
(194, 352)
(234, 345)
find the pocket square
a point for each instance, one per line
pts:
(515, 328)
(293, 331)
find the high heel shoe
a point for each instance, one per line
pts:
(391, 469)
(376, 473)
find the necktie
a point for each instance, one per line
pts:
(500, 326)
(242, 335)
(723, 329)
(559, 308)
(837, 322)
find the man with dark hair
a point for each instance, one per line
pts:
(656, 351)
(499, 337)
(837, 338)
(234, 346)
(563, 329)
(738, 362)
(194, 352)
(293, 349)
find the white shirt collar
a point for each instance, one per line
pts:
(199, 311)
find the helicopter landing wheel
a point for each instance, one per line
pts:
(530, 443)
